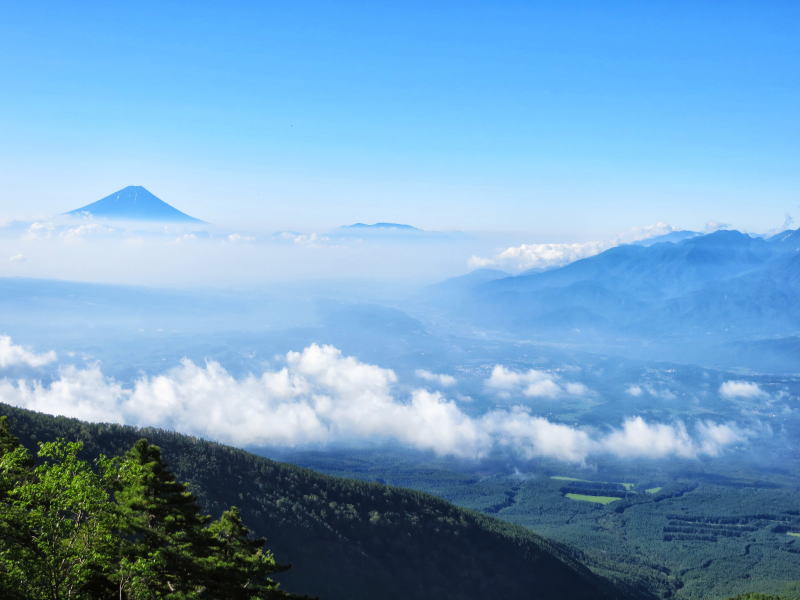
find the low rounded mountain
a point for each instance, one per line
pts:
(134, 203)
(400, 226)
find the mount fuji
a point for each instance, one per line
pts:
(134, 203)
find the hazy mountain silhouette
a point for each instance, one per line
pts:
(672, 236)
(381, 226)
(134, 203)
(726, 284)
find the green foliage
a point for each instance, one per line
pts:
(346, 539)
(237, 557)
(749, 508)
(163, 528)
(127, 529)
(756, 597)
(63, 521)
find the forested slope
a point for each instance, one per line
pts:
(349, 539)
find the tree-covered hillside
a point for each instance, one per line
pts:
(123, 527)
(349, 539)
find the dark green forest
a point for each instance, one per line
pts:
(343, 538)
(126, 529)
(738, 521)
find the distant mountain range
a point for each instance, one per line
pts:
(134, 203)
(725, 285)
(672, 236)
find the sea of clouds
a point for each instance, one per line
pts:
(207, 255)
(319, 397)
(180, 254)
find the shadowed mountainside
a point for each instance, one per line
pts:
(349, 539)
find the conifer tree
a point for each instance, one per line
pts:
(14, 467)
(238, 567)
(164, 540)
(124, 528)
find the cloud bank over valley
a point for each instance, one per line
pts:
(320, 397)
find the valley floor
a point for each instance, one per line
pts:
(683, 532)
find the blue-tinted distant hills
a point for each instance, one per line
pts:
(472, 279)
(134, 203)
(378, 226)
(387, 231)
(672, 236)
(726, 284)
(660, 270)
(787, 240)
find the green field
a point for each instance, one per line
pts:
(653, 490)
(628, 486)
(595, 499)
(793, 533)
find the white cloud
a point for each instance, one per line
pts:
(80, 393)
(548, 256)
(712, 226)
(637, 391)
(185, 237)
(320, 397)
(238, 237)
(81, 232)
(39, 231)
(539, 256)
(17, 258)
(532, 383)
(638, 438)
(715, 437)
(741, 389)
(301, 239)
(437, 378)
(530, 436)
(576, 389)
(644, 232)
(158, 254)
(12, 355)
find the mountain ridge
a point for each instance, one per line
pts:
(725, 285)
(350, 539)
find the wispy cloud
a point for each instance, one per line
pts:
(638, 390)
(437, 378)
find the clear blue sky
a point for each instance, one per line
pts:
(576, 117)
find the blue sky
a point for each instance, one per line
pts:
(568, 120)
